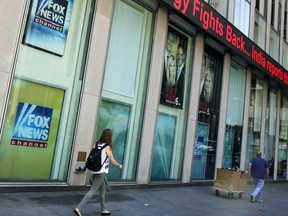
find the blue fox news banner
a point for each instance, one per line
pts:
(48, 25)
(32, 125)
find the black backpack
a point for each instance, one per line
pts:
(93, 161)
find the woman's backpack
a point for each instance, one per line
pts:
(94, 160)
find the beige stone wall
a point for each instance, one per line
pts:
(11, 13)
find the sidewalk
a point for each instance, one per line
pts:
(164, 201)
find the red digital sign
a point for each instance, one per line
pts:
(203, 15)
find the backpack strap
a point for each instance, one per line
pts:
(104, 146)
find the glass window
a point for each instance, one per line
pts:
(254, 123)
(260, 31)
(173, 109)
(270, 130)
(283, 140)
(234, 122)
(42, 108)
(163, 149)
(272, 13)
(261, 7)
(220, 5)
(285, 21)
(242, 16)
(257, 5)
(285, 55)
(208, 115)
(125, 82)
(274, 44)
(279, 18)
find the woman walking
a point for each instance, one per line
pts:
(98, 177)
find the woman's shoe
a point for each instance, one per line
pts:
(77, 212)
(105, 212)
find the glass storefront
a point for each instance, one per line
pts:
(204, 157)
(270, 130)
(173, 109)
(125, 83)
(42, 109)
(283, 140)
(254, 122)
(235, 114)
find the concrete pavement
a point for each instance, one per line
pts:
(163, 201)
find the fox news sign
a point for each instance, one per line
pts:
(51, 13)
(48, 25)
(32, 125)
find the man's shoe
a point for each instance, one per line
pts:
(260, 200)
(252, 199)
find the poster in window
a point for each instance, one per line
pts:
(210, 90)
(48, 25)
(173, 81)
(30, 131)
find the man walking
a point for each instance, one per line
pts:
(258, 167)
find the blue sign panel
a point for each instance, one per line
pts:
(32, 125)
(48, 25)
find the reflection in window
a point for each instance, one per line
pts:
(220, 5)
(242, 16)
(254, 123)
(270, 130)
(274, 44)
(234, 122)
(260, 31)
(116, 117)
(283, 140)
(163, 148)
(285, 55)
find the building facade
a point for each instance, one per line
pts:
(186, 87)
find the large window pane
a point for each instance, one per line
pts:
(208, 115)
(220, 5)
(173, 109)
(234, 122)
(274, 45)
(260, 31)
(254, 124)
(124, 86)
(42, 108)
(270, 130)
(116, 117)
(283, 140)
(242, 16)
(285, 55)
(163, 149)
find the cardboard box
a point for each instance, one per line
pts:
(243, 181)
(231, 181)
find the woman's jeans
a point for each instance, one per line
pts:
(97, 184)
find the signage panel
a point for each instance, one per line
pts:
(48, 25)
(203, 15)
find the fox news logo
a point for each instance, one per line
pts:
(51, 14)
(32, 125)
